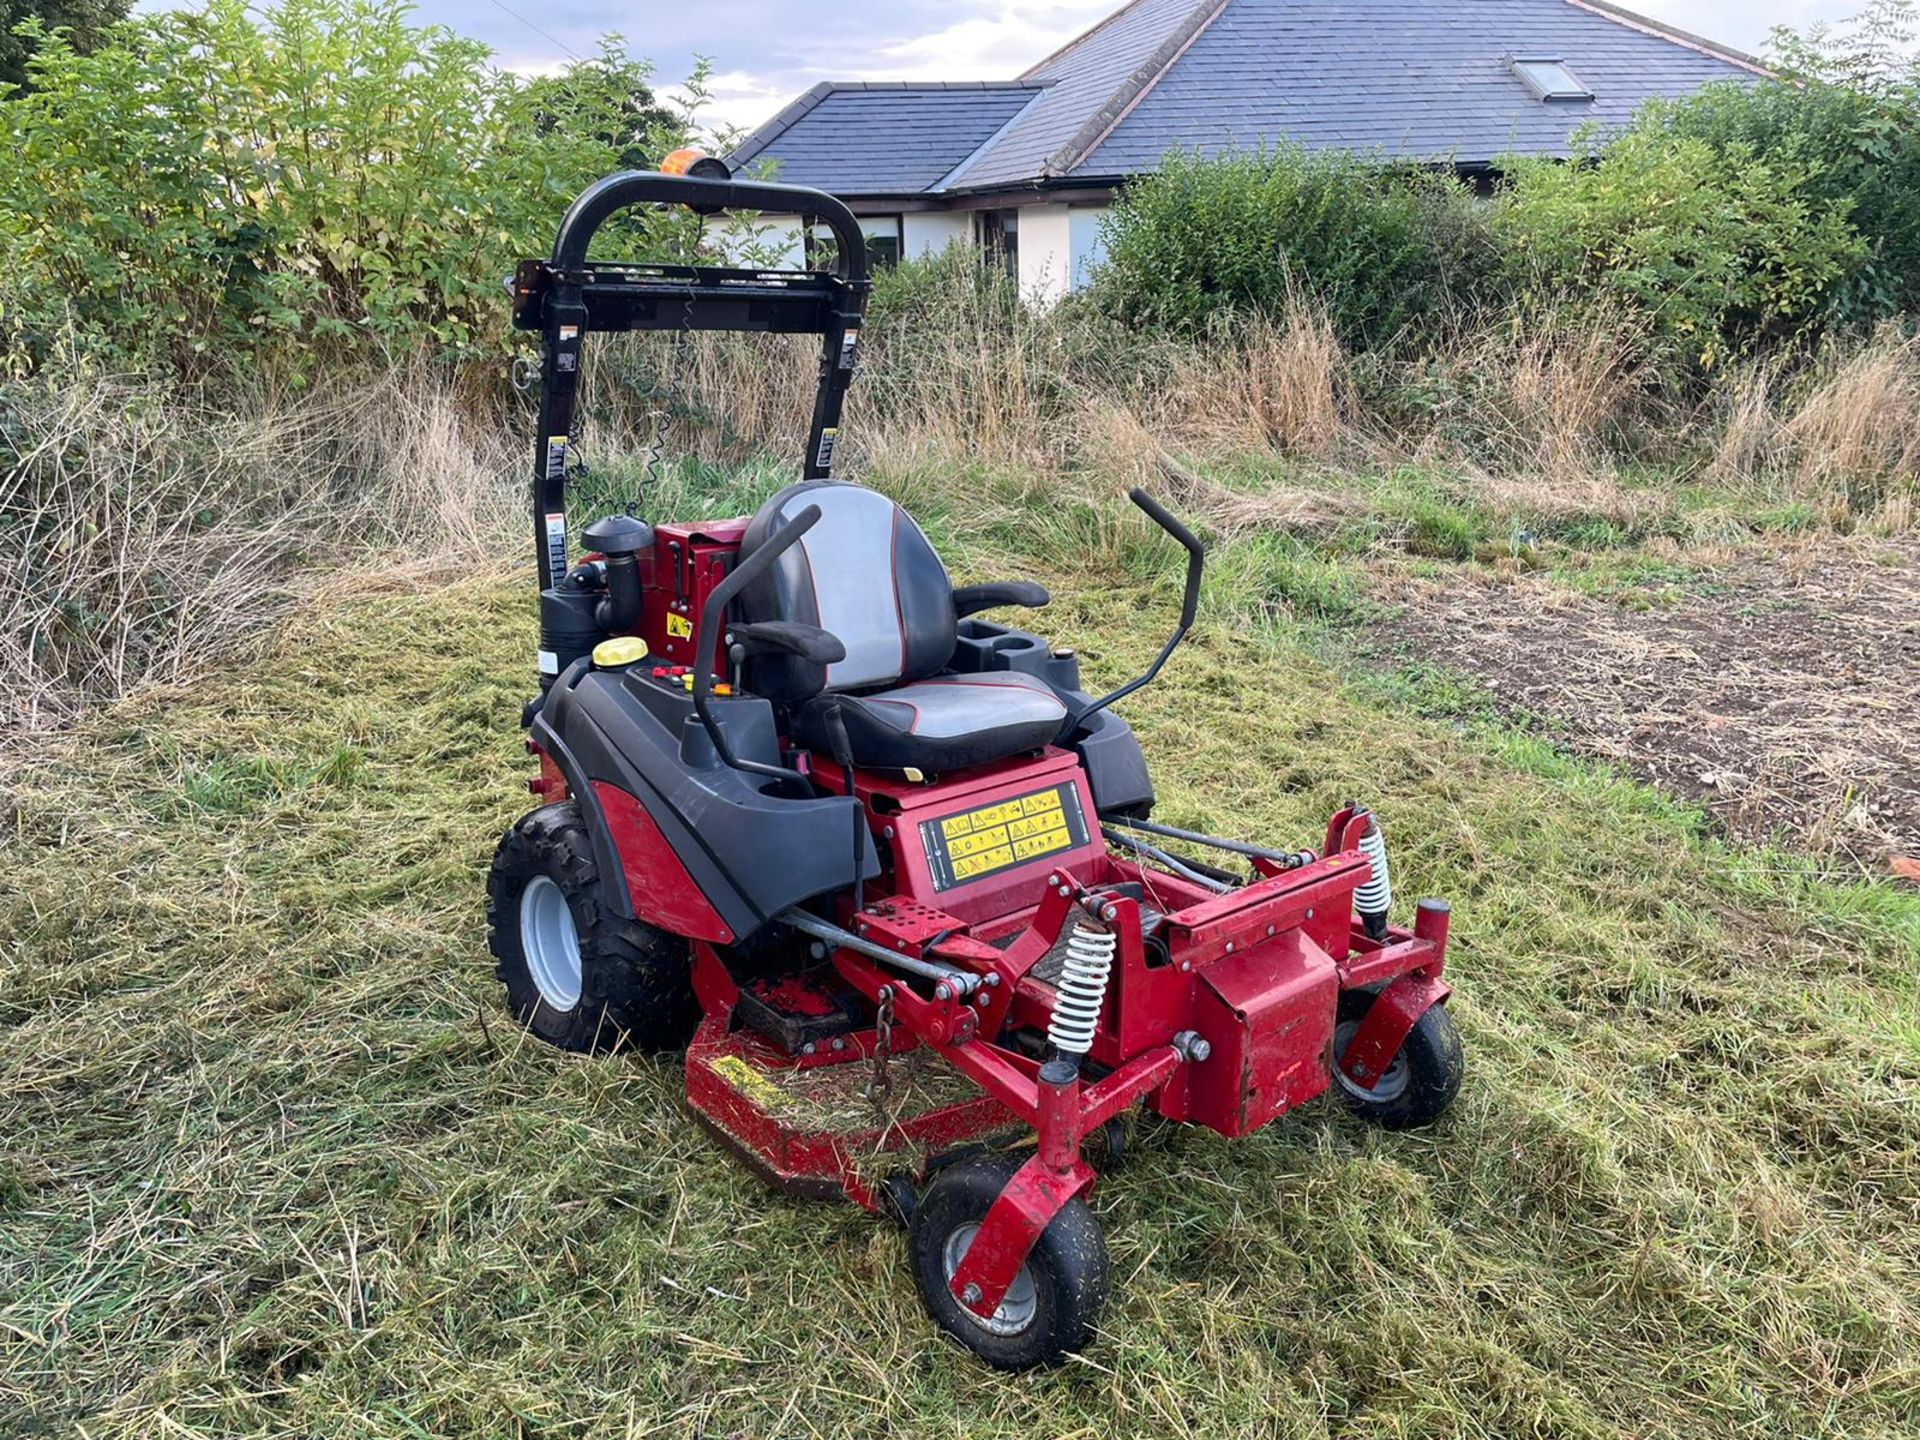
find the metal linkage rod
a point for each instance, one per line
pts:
(964, 982)
(1155, 853)
(1194, 837)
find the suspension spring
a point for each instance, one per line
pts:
(1082, 989)
(1375, 897)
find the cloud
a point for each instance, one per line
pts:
(995, 44)
(1745, 24)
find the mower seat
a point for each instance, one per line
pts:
(867, 575)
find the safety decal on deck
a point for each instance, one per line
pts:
(825, 458)
(978, 843)
(556, 457)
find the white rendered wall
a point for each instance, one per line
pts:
(782, 231)
(1046, 253)
(928, 232)
(1059, 246)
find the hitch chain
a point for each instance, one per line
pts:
(881, 1086)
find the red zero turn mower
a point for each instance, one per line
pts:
(808, 816)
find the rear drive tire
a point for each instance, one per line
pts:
(1056, 1299)
(1422, 1079)
(576, 974)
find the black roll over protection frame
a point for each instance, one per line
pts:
(567, 295)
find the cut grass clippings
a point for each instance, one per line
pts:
(273, 1160)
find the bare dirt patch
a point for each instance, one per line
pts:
(1783, 693)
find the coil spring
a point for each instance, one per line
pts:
(1376, 896)
(1082, 989)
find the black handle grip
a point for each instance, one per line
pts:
(603, 198)
(1196, 552)
(713, 616)
(839, 741)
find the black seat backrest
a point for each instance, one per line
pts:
(864, 572)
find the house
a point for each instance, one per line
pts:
(1027, 168)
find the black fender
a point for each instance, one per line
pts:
(751, 851)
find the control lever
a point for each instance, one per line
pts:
(842, 748)
(1189, 607)
(713, 615)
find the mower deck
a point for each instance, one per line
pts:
(817, 1129)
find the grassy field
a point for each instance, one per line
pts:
(273, 1161)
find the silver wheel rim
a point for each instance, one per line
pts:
(1017, 1308)
(1389, 1087)
(550, 943)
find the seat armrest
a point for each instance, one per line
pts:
(971, 599)
(785, 637)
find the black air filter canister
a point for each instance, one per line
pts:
(568, 627)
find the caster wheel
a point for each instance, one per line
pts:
(898, 1199)
(577, 975)
(1054, 1302)
(1422, 1080)
(1117, 1139)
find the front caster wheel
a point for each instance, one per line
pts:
(1055, 1300)
(1422, 1080)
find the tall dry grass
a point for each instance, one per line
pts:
(143, 530)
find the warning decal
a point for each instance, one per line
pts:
(977, 843)
(556, 545)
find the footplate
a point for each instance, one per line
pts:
(800, 1013)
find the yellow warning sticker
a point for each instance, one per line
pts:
(679, 627)
(977, 843)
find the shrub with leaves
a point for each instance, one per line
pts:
(82, 20)
(1382, 247)
(1717, 245)
(1850, 97)
(208, 184)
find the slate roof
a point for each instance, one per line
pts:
(872, 137)
(1417, 79)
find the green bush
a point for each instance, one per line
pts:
(204, 185)
(1383, 247)
(83, 20)
(1850, 101)
(1717, 245)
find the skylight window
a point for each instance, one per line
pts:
(1548, 78)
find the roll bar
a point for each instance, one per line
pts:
(605, 198)
(568, 296)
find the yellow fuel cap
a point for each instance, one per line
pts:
(621, 650)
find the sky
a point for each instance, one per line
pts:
(765, 52)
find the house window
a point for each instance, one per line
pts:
(883, 240)
(1548, 78)
(1000, 239)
